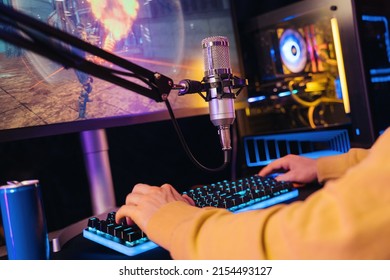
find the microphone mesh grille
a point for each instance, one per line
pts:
(216, 55)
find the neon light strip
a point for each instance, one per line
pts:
(284, 93)
(380, 71)
(381, 79)
(340, 64)
(255, 99)
(310, 48)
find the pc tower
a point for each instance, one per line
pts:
(315, 67)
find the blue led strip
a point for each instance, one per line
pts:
(128, 248)
(383, 79)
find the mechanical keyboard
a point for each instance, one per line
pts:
(253, 192)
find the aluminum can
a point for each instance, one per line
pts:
(24, 221)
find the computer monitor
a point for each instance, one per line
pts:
(40, 97)
(373, 27)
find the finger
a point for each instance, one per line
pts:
(278, 165)
(172, 191)
(188, 199)
(270, 168)
(125, 211)
(142, 188)
(291, 177)
(265, 171)
(287, 177)
(134, 198)
(168, 187)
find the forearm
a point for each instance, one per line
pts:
(209, 233)
(333, 167)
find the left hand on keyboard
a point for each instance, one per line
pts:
(145, 200)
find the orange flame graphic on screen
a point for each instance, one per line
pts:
(117, 16)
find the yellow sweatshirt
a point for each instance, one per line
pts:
(349, 218)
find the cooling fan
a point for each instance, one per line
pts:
(293, 50)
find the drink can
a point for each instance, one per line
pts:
(24, 221)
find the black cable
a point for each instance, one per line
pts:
(227, 153)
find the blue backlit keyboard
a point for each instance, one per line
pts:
(245, 194)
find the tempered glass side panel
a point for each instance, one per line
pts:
(293, 69)
(297, 81)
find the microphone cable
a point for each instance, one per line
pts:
(227, 153)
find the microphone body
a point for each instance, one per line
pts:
(218, 83)
(219, 96)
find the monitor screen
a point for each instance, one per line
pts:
(373, 19)
(40, 97)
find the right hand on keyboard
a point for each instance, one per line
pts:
(296, 169)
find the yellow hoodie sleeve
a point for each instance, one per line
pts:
(335, 166)
(347, 219)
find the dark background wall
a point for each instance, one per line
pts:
(149, 153)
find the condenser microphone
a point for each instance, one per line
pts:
(217, 77)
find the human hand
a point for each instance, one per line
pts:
(298, 169)
(145, 200)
